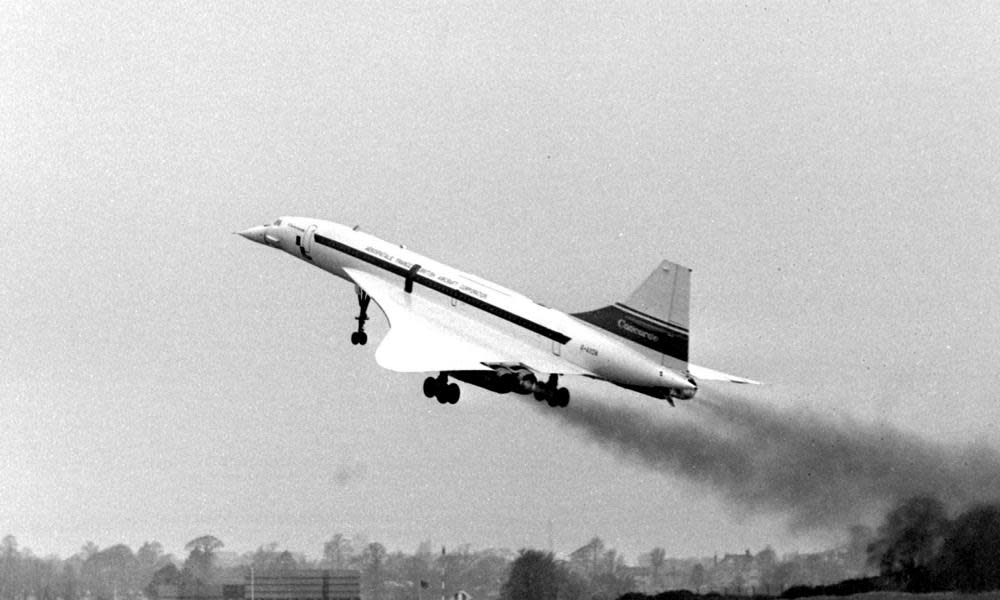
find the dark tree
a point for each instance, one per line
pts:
(10, 569)
(657, 557)
(286, 561)
(88, 549)
(269, 558)
(111, 572)
(206, 544)
(698, 577)
(534, 575)
(782, 576)
(970, 555)
(414, 569)
(150, 558)
(485, 574)
(337, 552)
(909, 540)
(150, 553)
(373, 570)
(68, 580)
(168, 574)
(41, 577)
(608, 586)
(201, 559)
(767, 562)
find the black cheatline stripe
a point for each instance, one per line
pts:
(437, 286)
(368, 258)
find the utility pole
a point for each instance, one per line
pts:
(442, 573)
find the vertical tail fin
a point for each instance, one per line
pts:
(655, 316)
(665, 295)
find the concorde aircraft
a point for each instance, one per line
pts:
(462, 327)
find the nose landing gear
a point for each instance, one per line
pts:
(359, 337)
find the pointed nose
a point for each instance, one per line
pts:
(255, 234)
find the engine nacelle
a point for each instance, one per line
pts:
(685, 394)
(501, 381)
(519, 380)
(526, 381)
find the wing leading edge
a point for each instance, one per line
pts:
(425, 336)
(706, 374)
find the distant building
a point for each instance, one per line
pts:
(587, 559)
(304, 584)
(652, 581)
(672, 574)
(312, 584)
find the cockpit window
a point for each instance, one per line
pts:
(278, 222)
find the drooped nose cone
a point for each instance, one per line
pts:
(255, 234)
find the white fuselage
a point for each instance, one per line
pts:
(334, 248)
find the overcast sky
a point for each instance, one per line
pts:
(830, 173)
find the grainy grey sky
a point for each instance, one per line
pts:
(829, 171)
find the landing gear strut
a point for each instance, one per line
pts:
(359, 337)
(551, 392)
(446, 393)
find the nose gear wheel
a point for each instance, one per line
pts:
(359, 337)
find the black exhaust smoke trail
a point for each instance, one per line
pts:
(821, 473)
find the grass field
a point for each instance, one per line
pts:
(903, 596)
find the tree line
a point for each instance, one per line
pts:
(119, 573)
(917, 548)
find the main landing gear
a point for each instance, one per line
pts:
(521, 382)
(551, 392)
(359, 337)
(446, 393)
